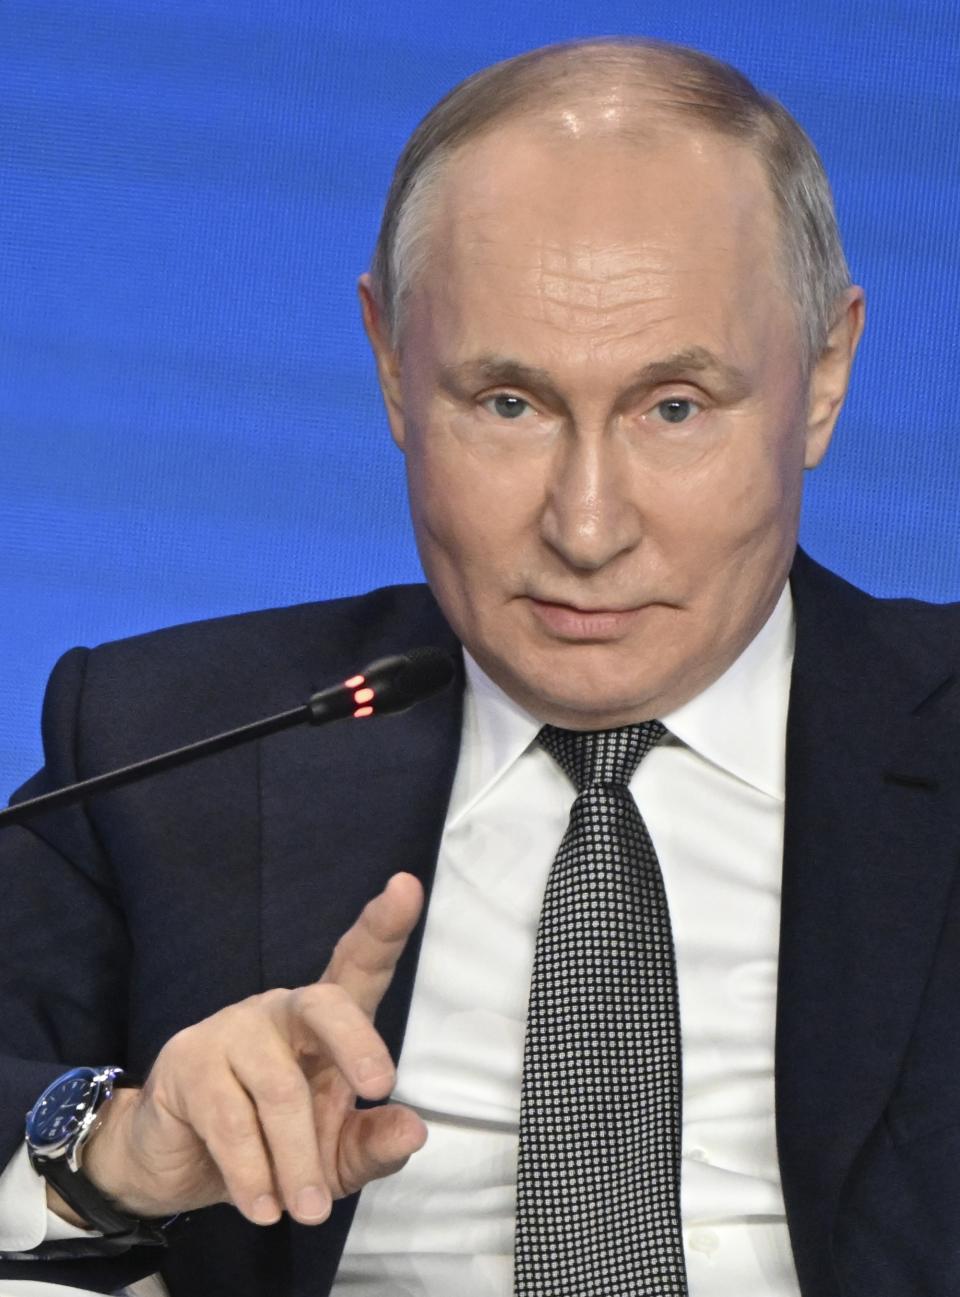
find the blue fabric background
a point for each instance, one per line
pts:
(188, 188)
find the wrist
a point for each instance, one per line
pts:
(106, 1160)
(60, 1207)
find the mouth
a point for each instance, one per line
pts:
(568, 622)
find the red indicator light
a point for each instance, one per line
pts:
(354, 682)
(362, 696)
(363, 711)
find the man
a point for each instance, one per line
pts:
(613, 327)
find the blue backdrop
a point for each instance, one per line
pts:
(188, 189)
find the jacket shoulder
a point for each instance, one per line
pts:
(890, 644)
(178, 683)
(309, 631)
(816, 585)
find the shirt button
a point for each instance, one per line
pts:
(703, 1240)
(697, 1155)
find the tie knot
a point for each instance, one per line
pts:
(600, 756)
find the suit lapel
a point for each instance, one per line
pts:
(341, 811)
(867, 869)
(345, 808)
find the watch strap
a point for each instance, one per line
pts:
(119, 1230)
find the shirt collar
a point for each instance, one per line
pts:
(495, 733)
(738, 723)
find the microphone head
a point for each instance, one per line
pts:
(407, 678)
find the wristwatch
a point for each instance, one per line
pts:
(58, 1125)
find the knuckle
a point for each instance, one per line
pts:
(352, 949)
(348, 952)
(233, 1124)
(237, 1017)
(179, 1045)
(274, 998)
(284, 1088)
(248, 1014)
(322, 999)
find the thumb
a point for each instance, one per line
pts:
(376, 1142)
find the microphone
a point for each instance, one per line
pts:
(390, 684)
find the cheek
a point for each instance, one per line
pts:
(463, 489)
(753, 486)
(473, 518)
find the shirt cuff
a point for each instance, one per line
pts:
(25, 1219)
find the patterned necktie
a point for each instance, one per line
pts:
(598, 1187)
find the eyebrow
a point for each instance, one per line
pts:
(492, 368)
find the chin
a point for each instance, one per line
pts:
(591, 685)
(570, 701)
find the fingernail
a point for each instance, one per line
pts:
(312, 1204)
(373, 1066)
(266, 1209)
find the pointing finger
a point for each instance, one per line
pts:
(330, 1023)
(366, 955)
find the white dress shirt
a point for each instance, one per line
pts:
(712, 797)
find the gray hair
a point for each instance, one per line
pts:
(677, 81)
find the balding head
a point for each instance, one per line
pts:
(626, 91)
(605, 392)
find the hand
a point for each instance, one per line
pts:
(256, 1104)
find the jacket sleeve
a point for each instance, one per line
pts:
(64, 958)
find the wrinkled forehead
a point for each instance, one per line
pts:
(673, 186)
(584, 228)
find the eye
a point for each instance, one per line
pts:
(677, 409)
(506, 406)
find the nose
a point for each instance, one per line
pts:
(590, 517)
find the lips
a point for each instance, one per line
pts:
(569, 622)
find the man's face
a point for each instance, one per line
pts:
(604, 410)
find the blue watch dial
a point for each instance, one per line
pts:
(59, 1112)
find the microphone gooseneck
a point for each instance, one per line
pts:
(390, 684)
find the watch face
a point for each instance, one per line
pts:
(60, 1111)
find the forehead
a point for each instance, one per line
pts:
(594, 238)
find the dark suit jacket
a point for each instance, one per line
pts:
(166, 901)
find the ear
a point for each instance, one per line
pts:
(830, 374)
(388, 362)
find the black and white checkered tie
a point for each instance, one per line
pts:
(598, 1188)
